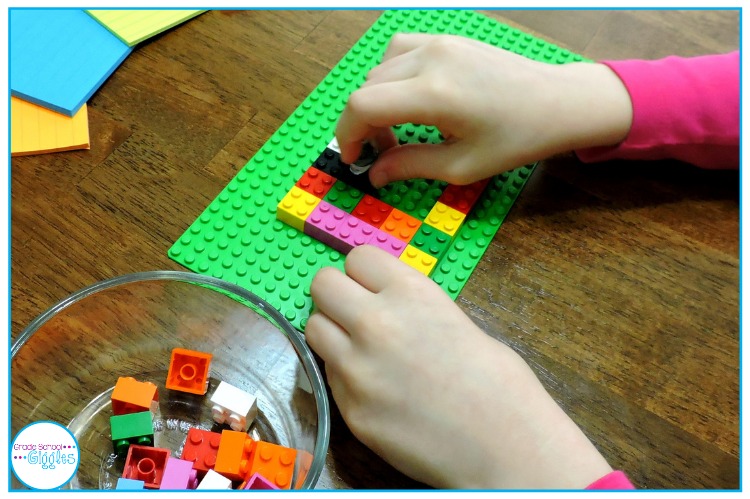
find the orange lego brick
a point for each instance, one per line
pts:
(295, 207)
(274, 462)
(233, 458)
(188, 371)
(131, 395)
(445, 218)
(401, 225)
(418, 259)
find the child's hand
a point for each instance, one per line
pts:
(428, 391)
(496, 110)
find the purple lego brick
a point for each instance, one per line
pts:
(179, 475)
(259, 482)
(391, 244)
(351, 233)
(323, 222)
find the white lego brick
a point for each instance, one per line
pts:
(214, 481)
(233, 406)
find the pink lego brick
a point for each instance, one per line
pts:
(391, 244)
(179, 475)
(259, 482)
(323, 222)
(351, 233)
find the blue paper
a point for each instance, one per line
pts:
(60, 57)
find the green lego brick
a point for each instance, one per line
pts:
(237, 238)
(135, 428)
(432, 241)
(343, 196)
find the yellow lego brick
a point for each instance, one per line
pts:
(445, 218)
(296, 207)
(418, 259)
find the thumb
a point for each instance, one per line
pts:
(432, 161)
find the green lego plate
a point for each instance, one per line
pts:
(238, 238)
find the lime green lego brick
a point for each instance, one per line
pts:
(238, 238)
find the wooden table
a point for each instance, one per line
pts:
(617, 282)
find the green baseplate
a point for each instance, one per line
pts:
(238, 238)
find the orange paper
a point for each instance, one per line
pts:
(37, 130)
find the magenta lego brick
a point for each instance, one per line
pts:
(389, 243)
(323, 222)
(259, 482)
(350, 234)
(179, 475)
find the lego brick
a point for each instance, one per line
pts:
(131, 395)
(430, 240)
(295, 207)
(60, 57)
(372, 211)
(214, 481)
(136, 25)
(344, 196)
(188, 371)
(387, 242)
(201, 447)
(274, 462)
(324, 221)
(463, 197)
(316, 182)
(418, 259)
(352, 232)
(233, 406)
(37, 130)
(330, 162)
(259, 482)
(179, 475)
(147, 464)
(133, 428)
(445, 218)
(233, 458)
(401, 225)
(266, 260)
(129, 484)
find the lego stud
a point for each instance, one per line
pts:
(146, 470)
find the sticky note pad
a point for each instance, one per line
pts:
(135, 25)
(37, 130)
(60, 57)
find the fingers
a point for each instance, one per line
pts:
(373, 108)
(373, 268)
(451, 162)
(327, 338)
(402, 43)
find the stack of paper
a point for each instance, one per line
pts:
(59, 58)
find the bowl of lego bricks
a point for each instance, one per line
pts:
(173, 381)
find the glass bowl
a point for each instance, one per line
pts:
(65, 364)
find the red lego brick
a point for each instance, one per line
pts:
(401, 225)
(201, 447)
(274, 462)
(188, 371)
(373, 211)
(316, 182)
(233, 458)
(463, 197)
(147, 464)
(131, 396)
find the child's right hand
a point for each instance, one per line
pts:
(496, 110)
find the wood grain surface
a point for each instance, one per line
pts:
(617, 282)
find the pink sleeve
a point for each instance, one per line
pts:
(612, 481)
(683, 108)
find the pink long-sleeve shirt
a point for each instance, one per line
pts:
(683, 108)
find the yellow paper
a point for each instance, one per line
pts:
(134, 26)
(37, 130)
